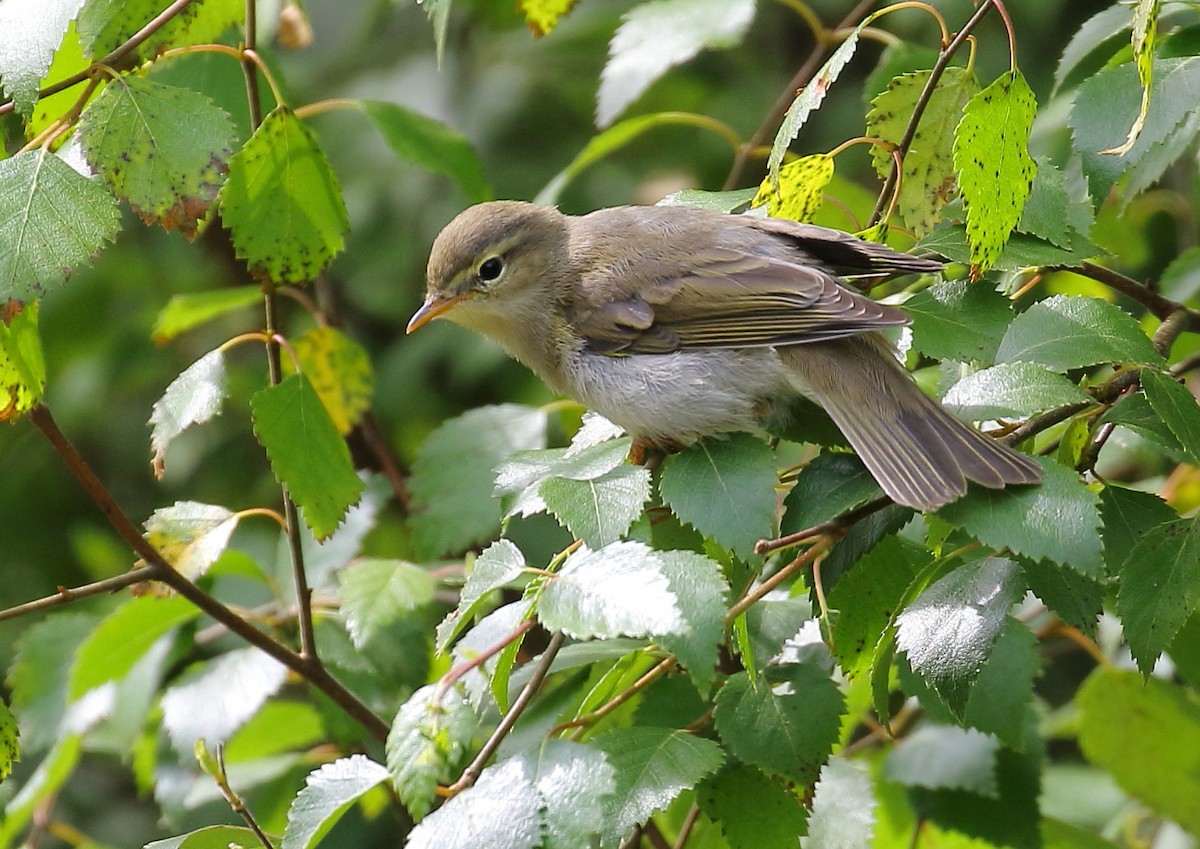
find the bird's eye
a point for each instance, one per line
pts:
(490, 268)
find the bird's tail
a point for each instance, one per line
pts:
(921, 455)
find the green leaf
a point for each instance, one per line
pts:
(216, 698)
(995, 170)
(500, 811)
(451, 481)
(329, 792)
(10, 751)
(1011, 390)
(193, 397)
(32, 29)
(702, 596)
(786, 726)
(1178, 409)
(809, 98)
(1160, 588)
(40, 673)
(499, 564)
(1050, 212)
(52, 219)
(959, 321)
(162, 148)
(1133, 411)
(22, 362)
(1180, 280)
(942, 756)
(340, 372)
(519, 479)
(754, 811)
(830, 485)
(573, 782)
(1057, 519)
(719, 201)
(183, 312)
(725, 488)
(1146, 733)
(191, 535)
(1076, 599)
(500, 624)
(843, 807)
(44, 784)
(281, 202)
(427, 740)
(1022, 250)
(652, 766)
(1144, 29)
(1129, 515)
(375, 593)
(655, 37)
(430, 144)
(928, 176)
(620, 589)
(866, 598)
(600, 510)
(211, 837)
(307, 455)
(106, 24)
(948, 631)
(123, 637)
(1064, 332)
(1001, 698)
(1096, 30)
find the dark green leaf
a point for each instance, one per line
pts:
(1050, 213)
(725, 488)
(499, 564)
(942, 756)
(1133, 411)
(833, 483)
(1001, 699)
(600, 510)
(1159, 588)
(1184, 651)
(216, 698)
(1096, 30)
(329, 792)
(1064, 332)
(281, 202)
(1129, 515)
(753, 810)
(162, 148)
(52, 220)
(1146, 734)
(427, 739)
(1057, 519)
(1177, 407)
(959, 321)
(1180, 280)
(1011, 390)
(306, 452)
(375, 593)
(786, 726)
(621, 589)
(430, 144)
(1076, 599)
(702, 596)
(1021, 251)
(211, 837)
(183, 312)
(948, 631)
(451, 482)
(653, 766)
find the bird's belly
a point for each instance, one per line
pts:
(681, 396)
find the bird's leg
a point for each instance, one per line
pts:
(649, 453)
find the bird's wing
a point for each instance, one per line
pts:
(721, 298)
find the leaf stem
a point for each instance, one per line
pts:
(837, 525)
(581, 722)
(471, 773)
(457, 672)
(307, 668)
(814, 552)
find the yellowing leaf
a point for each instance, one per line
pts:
(191, 535)
(1145, 28)
(340, 371)
(542, 15)
(22, 367)
(799, 193)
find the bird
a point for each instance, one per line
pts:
(678, 323)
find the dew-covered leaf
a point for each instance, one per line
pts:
(1065, 332)
(32, 29)
(306, 452)
(52, 220)
(725, 488)
(959, 321)
(281, 202)
(427, 739)
(498, 564)
(1017, 389)
(1058, 519)
(702, 596)
(328, 793)
(843, 807)
(216, 698)
(193, 397)
(573, 783)
(502, 810)
(162, 148)
(191, 535)
(375, 593)
(655, 37)
(621, 589)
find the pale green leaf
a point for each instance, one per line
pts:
(843, 807)
(340, 372)
(183, 312)
(215, 699)
(194, 397)
(502, 810)
(32, 29)
(1064, 332)
(40, 673)
(375, 593)
(211, 837)
(600, 510)
(573, 783)
(499, 564)
(942, 756)
(191, 535)
(306, 452)
(1011, 390)
(22, 362)
(427, 740)
(329, 792)
(428, 143)
(1104, 25)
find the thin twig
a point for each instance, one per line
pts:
(1143, 294)
(66, 594)
(935, 75)
(657, 671)
(685, 830)
(236, 803)
(163, 571)
(818, 549)
(457, 672)
(837, 525)
(471, 773)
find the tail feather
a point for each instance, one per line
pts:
(921, 455)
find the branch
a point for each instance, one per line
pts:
(839, 525)
(1144, 295)
(161, 570)
(910, 131)
(66, 594)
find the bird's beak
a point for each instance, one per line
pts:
(434, 306)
